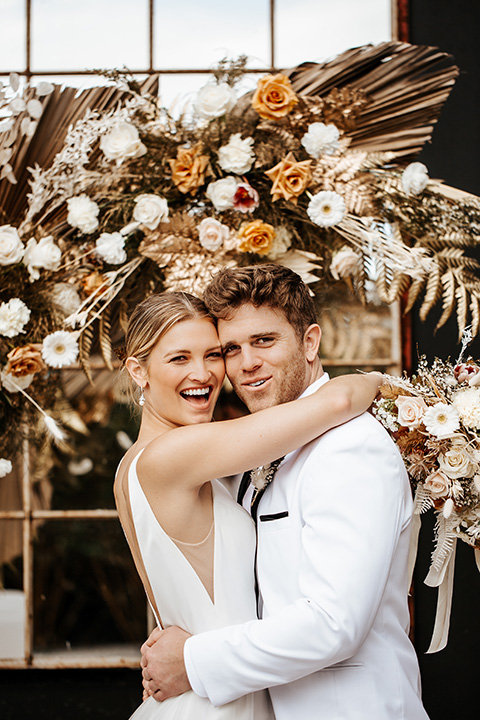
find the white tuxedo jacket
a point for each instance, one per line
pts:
(333, 537)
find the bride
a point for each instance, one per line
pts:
(194, 546)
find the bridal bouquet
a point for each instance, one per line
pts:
(434, 418)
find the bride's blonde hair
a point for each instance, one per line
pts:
(155, 316)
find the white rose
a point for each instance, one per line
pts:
(410, 411)
(214, 100)
(11, 247)
(13, 384)
(82, 213)
(122, 142)
(344, 262)
(110, 247)
(212, 234)
(150, 210)
(414, 178)
(237, 156)
(14, 315)
(438, 484)
(5, 467)
(456, 462)
(221, 192)
(44, 254)
(321, 138)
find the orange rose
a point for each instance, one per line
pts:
(290, 178)
(188, 169)
(256, 237)
(26, 360)
(274, 97)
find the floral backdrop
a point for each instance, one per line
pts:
(106, 196)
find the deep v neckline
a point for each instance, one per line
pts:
(133, 469)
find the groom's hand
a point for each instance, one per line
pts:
(163, 669)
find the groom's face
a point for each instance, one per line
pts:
(264, 358)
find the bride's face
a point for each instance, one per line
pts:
(185, 373)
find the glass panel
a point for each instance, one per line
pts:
(12, 45)
(83, 478)
(309, 30)
(96, 34)
(200, 34)
(86, 588)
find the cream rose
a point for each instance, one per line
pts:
(438, 484)
(410, 411)
(457, 462)
(212, 234)
(11, 247)
(237, 156)
(122, 142)
(110, 247)
(344, 262)
(82, 213)
(44, 254)
(13, 384)
(221, 193)
(150, 210)
(214, 100)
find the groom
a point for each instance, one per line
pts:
(333, 534)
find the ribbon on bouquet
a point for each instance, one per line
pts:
(442, 569)
(443, 579)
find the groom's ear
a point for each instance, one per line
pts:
(311, 341)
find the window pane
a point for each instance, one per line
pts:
(312, 30)
(86, 589)
(12, 44)
(196, 34)
(92, 34)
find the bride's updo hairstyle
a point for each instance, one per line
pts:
(155, 316)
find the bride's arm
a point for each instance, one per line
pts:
(193, 454)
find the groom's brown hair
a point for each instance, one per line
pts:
(274, 286)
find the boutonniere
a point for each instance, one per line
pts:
(260, 477)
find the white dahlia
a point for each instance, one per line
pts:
(321, 138)
(14, 315)
(326, 208)
(467, 404)
(60, 349)
(414, 178)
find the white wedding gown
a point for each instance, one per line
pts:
(181, 597)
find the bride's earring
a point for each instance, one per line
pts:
(141, 399)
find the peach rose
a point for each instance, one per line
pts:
(92, 282)
(256, 237)
(438, 484)
(290, 178)
(26, 360)
(188, 169)
(410, 411)
(274, 97)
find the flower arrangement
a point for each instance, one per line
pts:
(434, 418)
(123, 200)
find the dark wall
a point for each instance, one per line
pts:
(450, 677)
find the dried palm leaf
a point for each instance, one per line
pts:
(406, 87)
